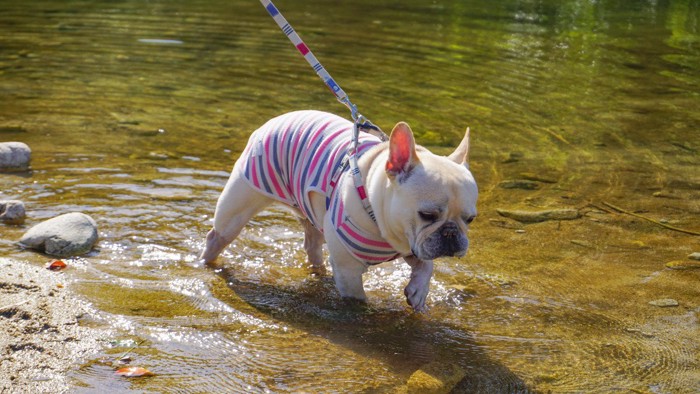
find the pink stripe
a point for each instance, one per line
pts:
(303, 48)
(363, 240)
(271, 173)
(361, 192)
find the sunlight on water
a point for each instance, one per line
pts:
(136, 111)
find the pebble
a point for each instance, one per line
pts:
(14, 156)
(694, 256)
(67, 235)
(664, 302)
(12, 212)
(540, 216)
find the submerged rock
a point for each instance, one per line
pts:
(540, 216)
(66, 235)
(519, 184)
(12, 212)
(434, 378)
(536, 177)
(683, 264)
(14, 156)
(664, 302)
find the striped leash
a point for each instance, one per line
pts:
(361, 123)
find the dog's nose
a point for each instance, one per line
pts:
(454, 242)
(449, 230)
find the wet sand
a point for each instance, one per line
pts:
(43, 330)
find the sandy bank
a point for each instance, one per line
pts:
(42, 339)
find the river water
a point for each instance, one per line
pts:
(136, 110)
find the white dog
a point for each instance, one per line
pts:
(373, 202)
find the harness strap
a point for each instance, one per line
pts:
(360, 187)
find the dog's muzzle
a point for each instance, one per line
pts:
(448, 240)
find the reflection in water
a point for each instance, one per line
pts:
(135, 111)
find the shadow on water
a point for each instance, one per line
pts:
(430, 354)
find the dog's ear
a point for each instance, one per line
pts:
(402, 151)
(461, 154)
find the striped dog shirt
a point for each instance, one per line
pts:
(301, 152)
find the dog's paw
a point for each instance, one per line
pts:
(417, 293)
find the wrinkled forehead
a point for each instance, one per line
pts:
(452, 187)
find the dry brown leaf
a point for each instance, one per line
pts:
(133, 372)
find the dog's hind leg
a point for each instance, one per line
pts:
(313, 244)
(238, 203)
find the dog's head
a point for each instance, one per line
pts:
(433, 198)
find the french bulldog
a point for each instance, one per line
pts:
(370, 201)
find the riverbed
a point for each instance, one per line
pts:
(135, 112)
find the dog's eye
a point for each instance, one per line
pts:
(429, 216)
(469, 219)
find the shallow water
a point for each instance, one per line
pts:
(135, 112)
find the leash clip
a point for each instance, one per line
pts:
(359, 121)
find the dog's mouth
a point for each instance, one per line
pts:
(431, 252)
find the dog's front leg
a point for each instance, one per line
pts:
(417, 289)
(347, 270)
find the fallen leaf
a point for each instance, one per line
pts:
(56, 265)
(133, 372)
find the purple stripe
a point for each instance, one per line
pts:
(271, 172)
(272, 10)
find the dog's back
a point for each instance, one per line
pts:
(298, 153)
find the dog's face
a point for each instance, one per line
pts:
(433, 197)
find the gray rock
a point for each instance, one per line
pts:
(14, 156)
(540, 216)
(66, 235)
(12, 212)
